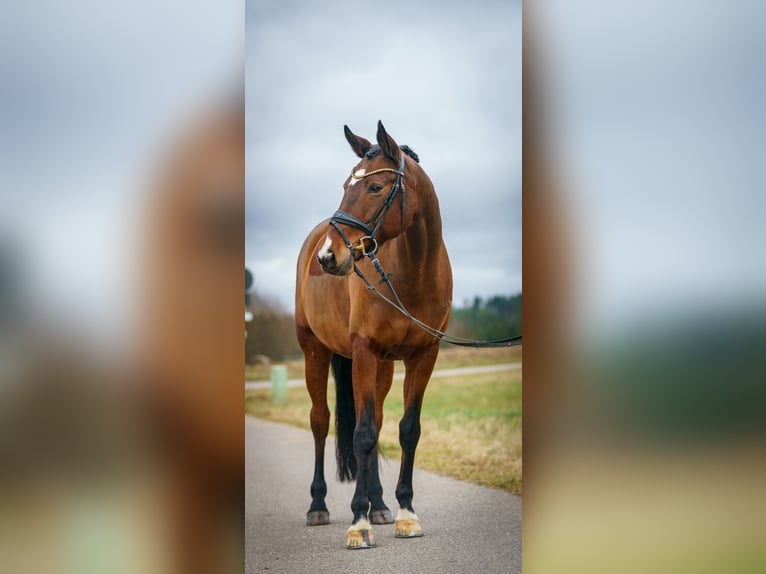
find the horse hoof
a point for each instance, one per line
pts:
(360, 536)
(408, 528)
(317, 517)
(381, 516)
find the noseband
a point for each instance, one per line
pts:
(372, 227)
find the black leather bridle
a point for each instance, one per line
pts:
(371, 227)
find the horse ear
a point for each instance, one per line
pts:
(388, 145)
(360, 145)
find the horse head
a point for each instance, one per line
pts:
(366, 218)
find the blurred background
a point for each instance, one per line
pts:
(644, 284)
(122, 193)
(121, 312)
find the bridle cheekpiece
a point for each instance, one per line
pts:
(371, 227)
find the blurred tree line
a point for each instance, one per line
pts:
(496, 317)
(271, 332)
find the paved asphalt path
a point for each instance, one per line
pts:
(468, 528)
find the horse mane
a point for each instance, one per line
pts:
(410, 152)
(375, 150)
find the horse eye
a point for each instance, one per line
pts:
(374, 188)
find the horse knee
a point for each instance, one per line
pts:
(365, 437)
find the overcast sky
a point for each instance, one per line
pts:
(92, 96)
(659, 146)
(445, 79)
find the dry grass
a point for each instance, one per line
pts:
(295, 370)
(449, 358)
(471, 424)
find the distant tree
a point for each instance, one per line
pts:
(497, 317)
(271, 332)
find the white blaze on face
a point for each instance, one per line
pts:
(324, 251)
(356, 177)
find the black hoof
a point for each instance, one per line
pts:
(381, 516)
(317, 517)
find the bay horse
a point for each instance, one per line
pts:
(390, 211)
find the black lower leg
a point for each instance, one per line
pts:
(320, 417)
(365, 442)
(409, 435)
(318, 485)
(374, 487)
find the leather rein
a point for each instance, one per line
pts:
(371, 229)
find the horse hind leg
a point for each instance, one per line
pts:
(317, 362)
(379, 512)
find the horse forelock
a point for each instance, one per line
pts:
(372, 152)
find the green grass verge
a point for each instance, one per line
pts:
(449, 358)
(471, 425)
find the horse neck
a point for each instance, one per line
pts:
(419, 248)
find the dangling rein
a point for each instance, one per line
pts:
(435, 333)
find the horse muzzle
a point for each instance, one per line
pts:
(330, 265)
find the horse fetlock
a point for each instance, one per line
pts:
(404, 495)
(318, 490)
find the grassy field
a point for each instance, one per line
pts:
(471, 424)
(448, 358)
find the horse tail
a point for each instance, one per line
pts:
(345, 418)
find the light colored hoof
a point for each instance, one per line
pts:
(360, 536)
(317, 518)
(382, 516)
(407, 528)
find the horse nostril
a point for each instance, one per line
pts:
(327, 259)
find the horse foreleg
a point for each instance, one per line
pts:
(365, 368)
(379, 512)
(317, 362)
(418, 373)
